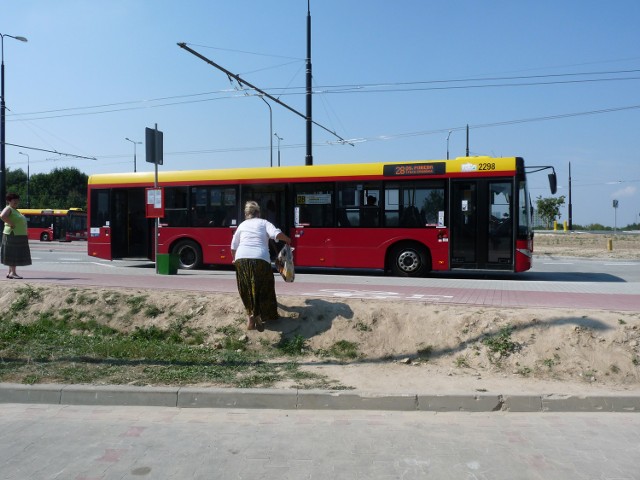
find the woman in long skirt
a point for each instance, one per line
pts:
(15, 243)
(250, 252)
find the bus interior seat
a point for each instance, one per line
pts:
(343, 221)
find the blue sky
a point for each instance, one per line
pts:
(553, 82)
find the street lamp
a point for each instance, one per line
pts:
(279, 138)
(448, 144)
(270, 129)
(28, 175)
(134, 152)
(3, 176)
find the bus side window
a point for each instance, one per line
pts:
(343, 220)
(410, 217)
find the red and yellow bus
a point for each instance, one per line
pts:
(405, 218)
(47, 224)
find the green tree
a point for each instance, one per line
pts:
(17, 183)
(549, 208)
(61, 188)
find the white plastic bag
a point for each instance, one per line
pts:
(284, 264)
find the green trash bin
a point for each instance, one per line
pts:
(167, 263)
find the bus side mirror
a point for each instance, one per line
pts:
(553, 183)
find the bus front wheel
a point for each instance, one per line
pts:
(189, 254)
(44, 237)
(410, 260)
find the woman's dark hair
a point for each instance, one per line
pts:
(12, 196)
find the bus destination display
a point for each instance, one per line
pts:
(408, 169)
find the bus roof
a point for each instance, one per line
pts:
(424, 168)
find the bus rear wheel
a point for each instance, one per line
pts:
(44, 237)
(410, 260)
(189, 254)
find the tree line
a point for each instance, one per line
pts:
(549, 211)
(61, 188)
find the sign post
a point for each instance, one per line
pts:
(154, 150)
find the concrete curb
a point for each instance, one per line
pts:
(186, 397)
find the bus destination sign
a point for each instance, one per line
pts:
(409, 169)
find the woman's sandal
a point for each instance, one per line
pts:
(259, 324)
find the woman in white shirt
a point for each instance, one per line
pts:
(250, 253)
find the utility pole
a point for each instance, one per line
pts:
(308, 160)
(570, 204)
(467, 139)
(279, 138)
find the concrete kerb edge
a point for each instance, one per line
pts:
(295, 399)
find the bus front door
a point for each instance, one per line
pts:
(481, 224)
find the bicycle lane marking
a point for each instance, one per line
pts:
(376, 295)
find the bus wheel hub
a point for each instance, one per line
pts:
(408, 261)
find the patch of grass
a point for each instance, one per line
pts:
(136, 303)
(524, 371)
(154, 334)
(501, 342)
(621, 321)
(462, 362)
(551, 362)
(71, 344)
(614, 369)
(293, 346)
(151, 311)
(362, 327)
(62, 348)
(112, 298)
(26, 295)
(85, 299)
(344, 350)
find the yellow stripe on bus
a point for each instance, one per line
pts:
(331, 172)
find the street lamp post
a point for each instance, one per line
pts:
(279, 138)
(134, 152)
(270, 130)
(28, 175)
(448, 143)
(3, 173)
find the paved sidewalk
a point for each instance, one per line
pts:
(46, 442)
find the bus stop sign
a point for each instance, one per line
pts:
(153, 145)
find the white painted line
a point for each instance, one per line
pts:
(371, 294)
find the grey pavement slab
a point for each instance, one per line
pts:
(76, 442)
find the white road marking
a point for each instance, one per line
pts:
(373, 294)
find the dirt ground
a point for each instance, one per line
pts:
(424, 347)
